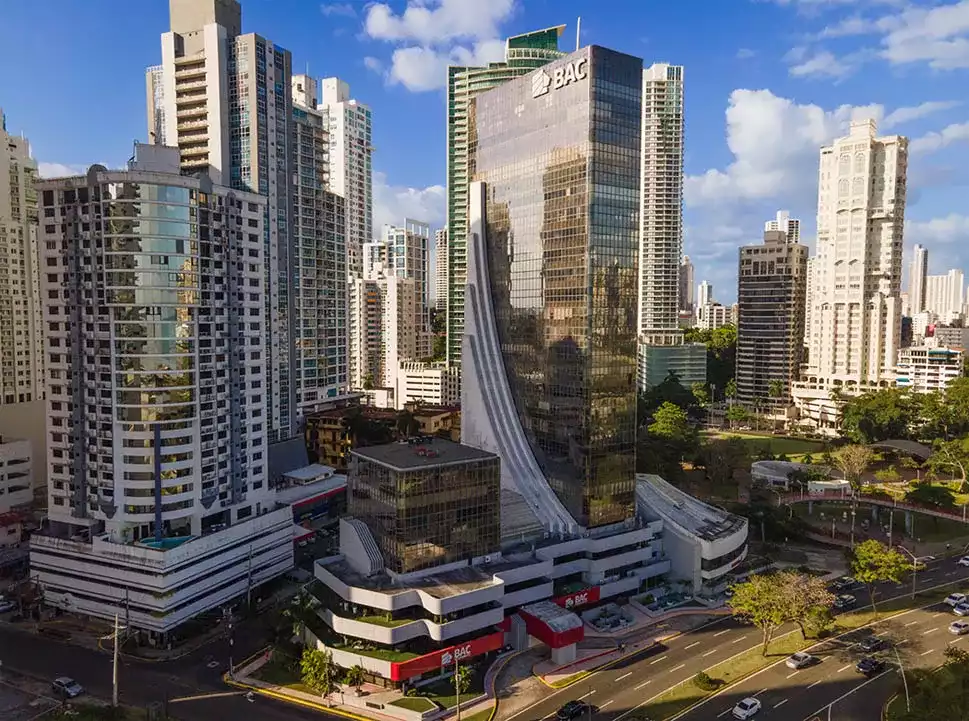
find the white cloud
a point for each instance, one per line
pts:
(393, 203)
(60, 170)
(745, 53)
(431, 34)
(823, 64)
(938, 36)
(854, 25)
(374, 64)
(951, 229)
(775, 144)
(905, 115)
(930, 142)
(429, 22)
(338, 9)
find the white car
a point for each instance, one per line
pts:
(959, 627)
(954, 599)
(964, 561)
(962, 609)
(747, 708)
(801, 660)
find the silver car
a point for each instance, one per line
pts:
(66, 686)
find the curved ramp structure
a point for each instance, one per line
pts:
(489, 419)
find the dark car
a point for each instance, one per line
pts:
(573, 710)
(843, 583)
(872, 644)
(870, 666)
(844, 602)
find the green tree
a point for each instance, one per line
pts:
(701, 394)
(872, 562)
(762, 601)
(354, 676)
(368, 382)
(853, 461)
(775, 389)
(938, 694)
(297, 612)
(669, 391)
(721, 458)
(407, 424)
(730, 389)
(806, 599)
(317, 670)
(737, 414)
(671, 422)
(952, 457)
(887, 475)
(881, 415)
(464, 679)
(926, 494)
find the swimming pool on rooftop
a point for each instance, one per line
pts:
(165, 544)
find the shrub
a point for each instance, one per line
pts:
(703, 682)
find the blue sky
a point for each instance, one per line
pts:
(767, 83)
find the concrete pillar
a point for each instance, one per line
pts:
(564, 655)
(908, 522)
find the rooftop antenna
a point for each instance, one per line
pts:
(578, 30)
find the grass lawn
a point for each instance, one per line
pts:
(793, 448)
(480, 715)
(382, 621)
(684, 695)
(385, 654)
(414, 703)
(442, 692)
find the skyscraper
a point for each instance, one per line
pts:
(402, 253)
(661, 210)
(916, 282)
(224, 99)
(856, 299)
(704, 293)
(549, 364)
(320, 267)
(523, 53)
(383, 311)
(159, 500)
(440, 270)
(351, 172)
(771, 287)
(944, 295)
(784, 223)
(21, 331)
(687, 278)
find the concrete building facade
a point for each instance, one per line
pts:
(771, 290)
(21, 334)
(440, 270)
(382, 330)
(436, 384)
(918, 271)
(157, 399)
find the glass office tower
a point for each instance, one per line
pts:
(558, 152)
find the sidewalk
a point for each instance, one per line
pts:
(345, 702)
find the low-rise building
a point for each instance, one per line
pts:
(704, 543)
(711, 316)
(432, 383)
(928, 368)
(437, 420)
(331, 434)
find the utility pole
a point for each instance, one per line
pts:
(891, 521)
(114, 670)
(457, 687)
(249, 580)
(908, 701)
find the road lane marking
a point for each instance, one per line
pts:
(682, 665)
(792, 675)
(647, 683)
(657, 660)
(588, 694)
(843, 668)
(738, 640)
(687, 648)
(913, 623)
(607, 703)
(781, 703)
(816, 683)
(710, 653)
(926, 653)
(838, 700)
(625, 675)
(722, 632)
(935, 615)
(926, 633)
(724, 713)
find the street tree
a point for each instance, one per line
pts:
(852, 461)
(721, 458)
(354, 676)
(951, 457)
(775, 389)
(317, 670)
(298, 610)
(762, 601)
(941, 693)
(701, 394)
(463, 679)
(730, 389)
(737, 414)
(670, 422)
(879, 415)
(805, 597)
(872, 562)
(927, 494)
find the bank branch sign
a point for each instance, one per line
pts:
(543, 81)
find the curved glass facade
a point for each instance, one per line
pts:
(559, 152)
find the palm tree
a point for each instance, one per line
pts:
(301, 606)
(354, 677)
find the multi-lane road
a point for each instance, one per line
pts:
(616, 691)
(619, 690)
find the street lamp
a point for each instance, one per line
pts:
(908, 700)
(915, 568)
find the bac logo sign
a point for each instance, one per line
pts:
(567, 74)
(457, 654)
